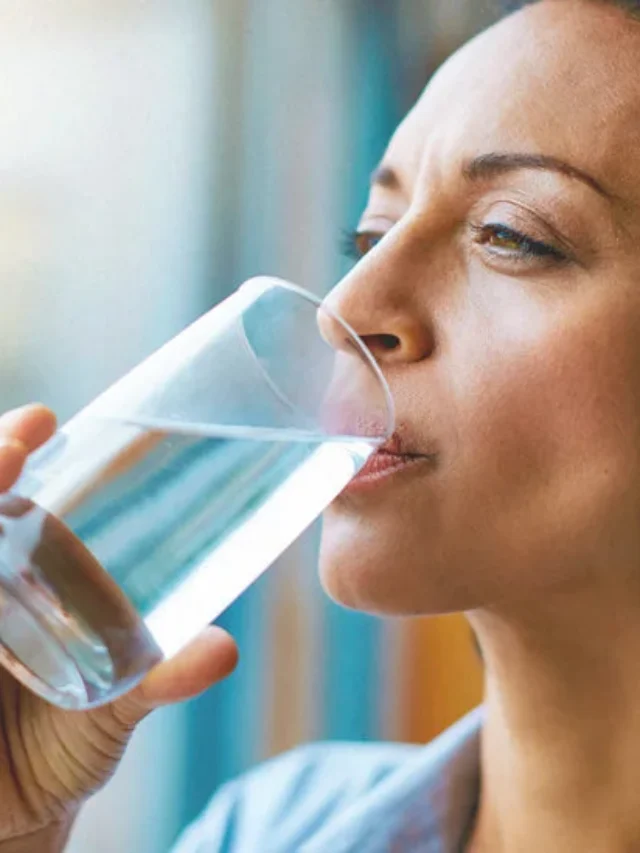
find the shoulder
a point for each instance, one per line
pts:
(289, 798)
(348, 797)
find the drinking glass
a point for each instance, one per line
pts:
(157, 505)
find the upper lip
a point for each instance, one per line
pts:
(399, 445)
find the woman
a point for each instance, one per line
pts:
(501, 294)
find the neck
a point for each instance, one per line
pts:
(561, 743)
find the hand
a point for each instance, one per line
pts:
(51, 760)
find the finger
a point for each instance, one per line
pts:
(212, 656)
(32, 425)
(13, 455)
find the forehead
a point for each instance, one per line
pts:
(558, 78)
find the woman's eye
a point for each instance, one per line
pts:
(356, 244)
(509, 243)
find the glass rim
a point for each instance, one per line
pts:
(363, 349)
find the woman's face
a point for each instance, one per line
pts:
(503, 303)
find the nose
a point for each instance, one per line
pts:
(378, 300)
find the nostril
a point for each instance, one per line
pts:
(382, 342)
(389, 341)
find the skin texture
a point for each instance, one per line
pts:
(517, 372)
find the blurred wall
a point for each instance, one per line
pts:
(108, 156)
(153, 154)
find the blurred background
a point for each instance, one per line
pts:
(154, 154)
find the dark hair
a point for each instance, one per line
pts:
(631, 7)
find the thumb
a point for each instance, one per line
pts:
(212, 656)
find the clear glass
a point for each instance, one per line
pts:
(155, 507)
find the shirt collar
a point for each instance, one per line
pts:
(428, 804)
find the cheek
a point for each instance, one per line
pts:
(548, 426)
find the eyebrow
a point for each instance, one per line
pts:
(490, 165)
(385, 176)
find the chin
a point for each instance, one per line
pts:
(391, 573)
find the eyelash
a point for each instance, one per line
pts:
(528, 248)
(350, 243)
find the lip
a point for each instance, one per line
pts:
(389, 460)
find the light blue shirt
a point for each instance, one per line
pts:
(350, 798)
